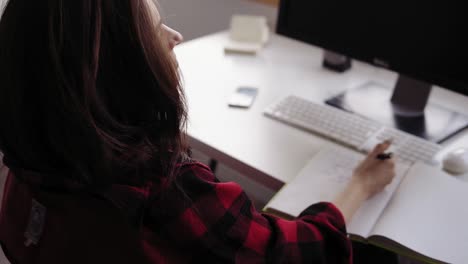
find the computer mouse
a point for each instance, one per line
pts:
(456, 161)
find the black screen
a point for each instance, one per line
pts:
(423, 40)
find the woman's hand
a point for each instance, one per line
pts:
(373, 174)
(370, 177)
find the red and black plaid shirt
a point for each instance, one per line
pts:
(202, 220)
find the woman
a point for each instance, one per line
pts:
(91, 106)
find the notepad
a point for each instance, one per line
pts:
(423, 213)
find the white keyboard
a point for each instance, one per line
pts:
(350, 129)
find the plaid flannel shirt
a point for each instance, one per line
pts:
(201, 220)
(215, 222)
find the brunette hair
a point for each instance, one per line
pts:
(89, 88)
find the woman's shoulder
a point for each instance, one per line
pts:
(192, 168)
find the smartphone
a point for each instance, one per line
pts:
(243, 97)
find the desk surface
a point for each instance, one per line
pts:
(266, 150)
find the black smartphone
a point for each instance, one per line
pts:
(243, 97)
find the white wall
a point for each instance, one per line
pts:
(195, 18)
(2, 5)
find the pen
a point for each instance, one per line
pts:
(384, 156)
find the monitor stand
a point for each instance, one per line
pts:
(407, 108)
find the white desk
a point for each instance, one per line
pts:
(266, 150)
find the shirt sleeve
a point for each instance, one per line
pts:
(221, 219)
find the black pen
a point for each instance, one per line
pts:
(384, 156)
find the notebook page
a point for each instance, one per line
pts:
(429, 214)
(323, 177)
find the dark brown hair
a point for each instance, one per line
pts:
(88, 88)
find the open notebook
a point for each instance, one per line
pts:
(423, 213)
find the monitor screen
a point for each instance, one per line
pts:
(425, 40)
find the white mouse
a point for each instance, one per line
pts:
(456, 161)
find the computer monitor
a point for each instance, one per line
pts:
(425, 42)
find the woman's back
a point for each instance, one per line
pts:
(84, 85)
